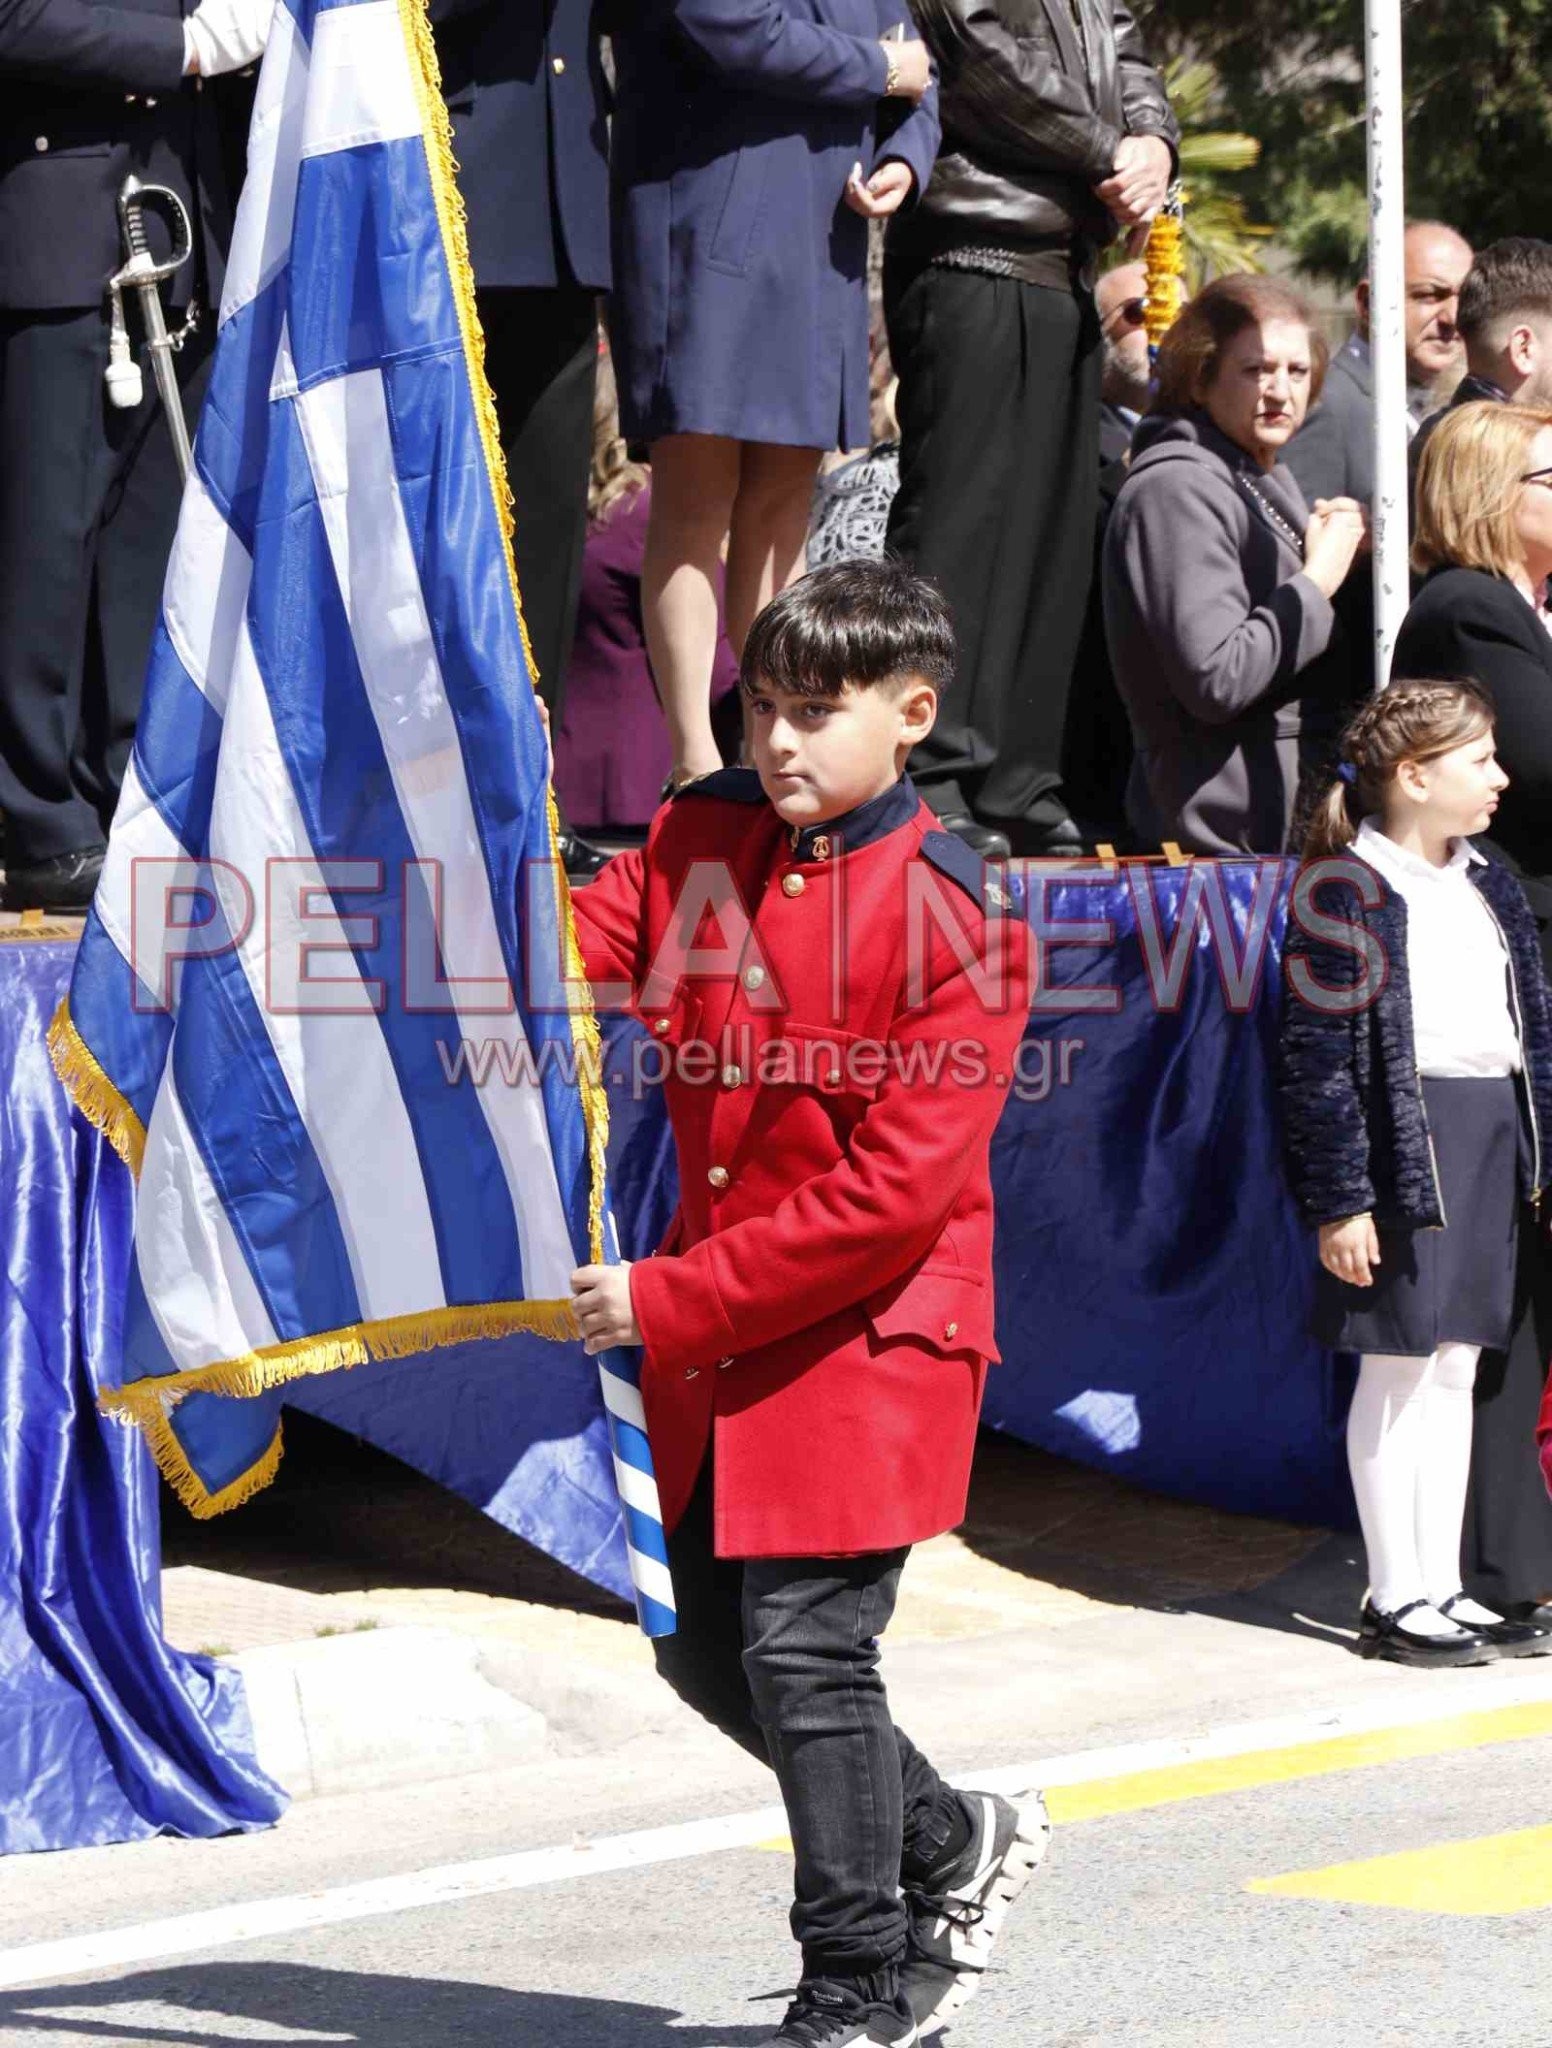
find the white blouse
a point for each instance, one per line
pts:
(1457, 963)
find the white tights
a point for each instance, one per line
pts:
(1409, 1451)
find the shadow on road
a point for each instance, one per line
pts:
(209, 2005)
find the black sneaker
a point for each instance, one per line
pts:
(828, 2012)
(957, 1913)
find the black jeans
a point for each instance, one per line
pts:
(999, 483)
(782, 1655)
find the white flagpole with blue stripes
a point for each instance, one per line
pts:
(314, 878)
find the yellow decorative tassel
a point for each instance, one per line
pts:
(1165, 259)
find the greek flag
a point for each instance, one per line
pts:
(334, 856)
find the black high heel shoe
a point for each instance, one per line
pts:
(1508, 1638)
(1386, 1636)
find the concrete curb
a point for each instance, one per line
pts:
(395, 1706)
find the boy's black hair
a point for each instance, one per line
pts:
(862, 623)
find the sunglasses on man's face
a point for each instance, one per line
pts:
(1132, 311)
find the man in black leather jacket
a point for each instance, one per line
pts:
(1057, 135)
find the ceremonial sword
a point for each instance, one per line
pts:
(126, 387)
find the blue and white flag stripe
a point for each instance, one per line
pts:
(341, 769)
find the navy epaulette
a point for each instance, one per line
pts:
(732, 785)
(999, 895)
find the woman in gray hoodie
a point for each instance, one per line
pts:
(1218, 580)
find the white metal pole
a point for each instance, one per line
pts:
(1387, 330)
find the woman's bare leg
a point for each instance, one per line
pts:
(695, 480)
(769, 528)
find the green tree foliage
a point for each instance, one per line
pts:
(1478, 112)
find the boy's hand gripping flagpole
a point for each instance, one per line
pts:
(646, 1545)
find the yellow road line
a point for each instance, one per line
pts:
(1509, 1873)
(1170, 1784)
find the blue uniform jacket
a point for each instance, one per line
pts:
(526, 90)
(740, 303)
(88, 93)
(1355, 1134)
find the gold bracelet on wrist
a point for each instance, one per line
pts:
(892, 75)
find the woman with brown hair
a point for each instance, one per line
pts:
(1484, 545)
(1218, 581)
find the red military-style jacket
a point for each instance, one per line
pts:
(838, 1011)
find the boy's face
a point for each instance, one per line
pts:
(820, 756)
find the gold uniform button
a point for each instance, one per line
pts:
(661, 1027)
(718, 1176)
(753, 978)
(793, 885)
(558, 66)
(951, 1330)
(732, 1077)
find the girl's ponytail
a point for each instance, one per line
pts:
(1332, 825)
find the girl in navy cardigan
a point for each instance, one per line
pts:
(1415, 1077)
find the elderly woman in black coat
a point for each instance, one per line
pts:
(1484, 544)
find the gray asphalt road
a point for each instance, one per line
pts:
(1142, 1930)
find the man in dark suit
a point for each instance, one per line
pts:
(1332, 454)
(89, 492)
(525, 86)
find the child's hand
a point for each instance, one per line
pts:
(600, 1296)
(1350, 1250)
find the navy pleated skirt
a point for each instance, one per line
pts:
(1449, 1286)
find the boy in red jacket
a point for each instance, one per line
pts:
(839, 991)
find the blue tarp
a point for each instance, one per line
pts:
(106, 1735)
(1153, 1286)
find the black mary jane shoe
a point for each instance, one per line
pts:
(1509, 1638)
(1386, 1636)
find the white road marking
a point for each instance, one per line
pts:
(449, 1883)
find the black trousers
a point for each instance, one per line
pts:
(1506, 1552)
(999, 467)
(89, 499)
(541, 355)
(782, 1655)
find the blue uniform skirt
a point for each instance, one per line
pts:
(1449, 1286)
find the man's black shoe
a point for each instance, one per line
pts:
(66, 882)
(834, 2012)
(1056, 838)
(985, 840)
(956, 1912)
(581, 859)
